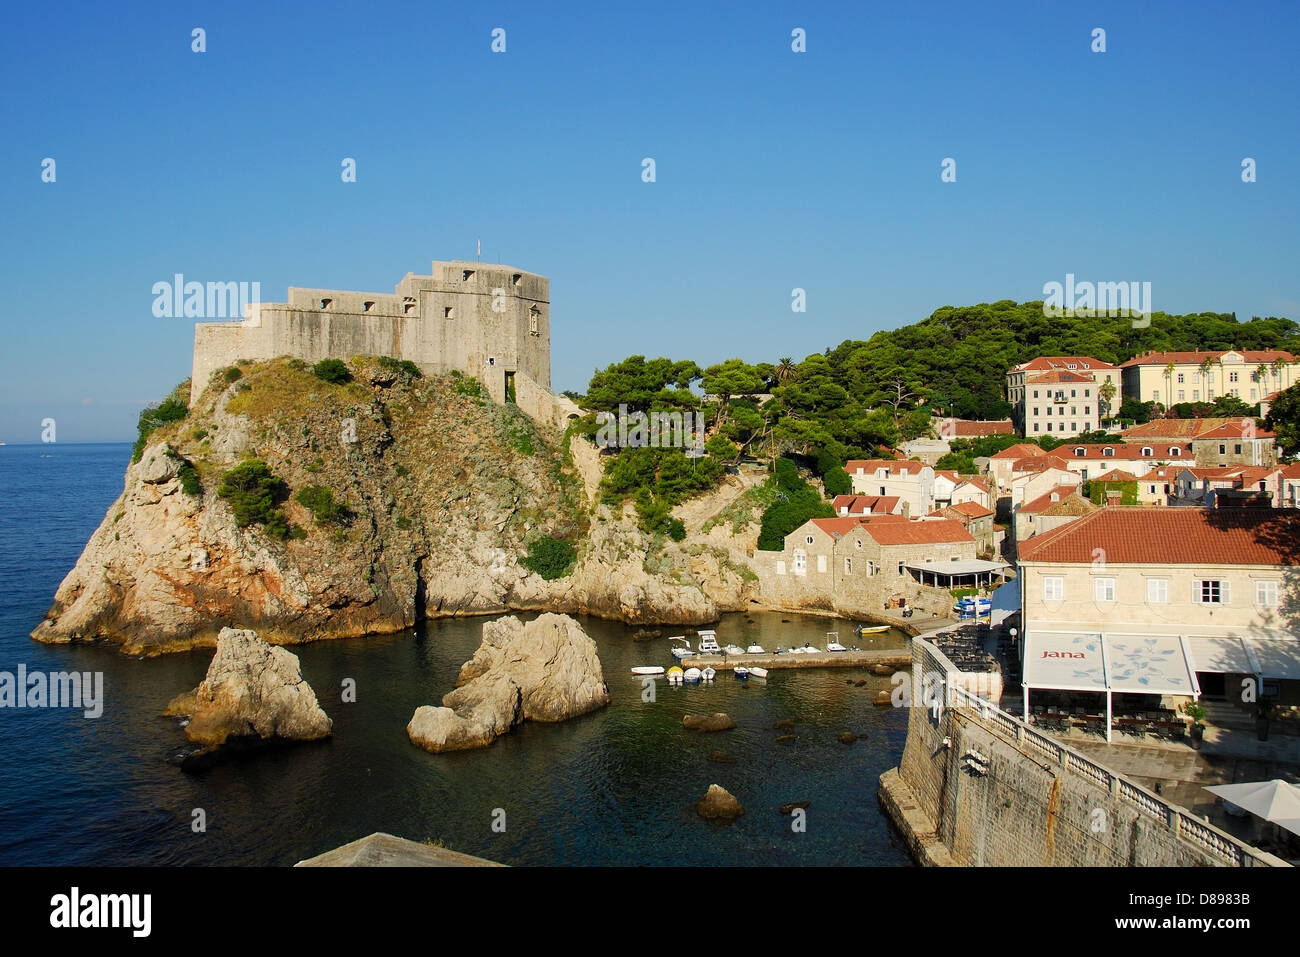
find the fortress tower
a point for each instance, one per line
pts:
(491, 322)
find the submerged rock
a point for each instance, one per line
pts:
(784, 738)
(783, 725)
(790, 808)
(882, 699)
(546, 670)
(719, 804)
(848, 737)
(708, 722)
(253, 690)
(721, 757)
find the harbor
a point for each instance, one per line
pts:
(865, 658)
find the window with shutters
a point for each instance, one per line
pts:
(1210, 591)
(1266, 594)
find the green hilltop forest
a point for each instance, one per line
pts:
(860, 397)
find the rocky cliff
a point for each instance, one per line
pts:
(442, 492)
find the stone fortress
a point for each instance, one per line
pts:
(492, 322)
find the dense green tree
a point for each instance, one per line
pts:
(1284, 419)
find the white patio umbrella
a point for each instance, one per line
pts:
(1276, 801)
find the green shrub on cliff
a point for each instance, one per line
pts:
(332, 370)
(171, 409)
(796, 503)
(549, 557)
(253, 490)
(321, 502)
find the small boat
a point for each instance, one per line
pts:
(708, 644)
(871, 629)
(675, 675)
(691, 675)
(708, 674)
(734, 650)
(683, 650)
(810, 649)
(648, 670)
(833, 642)
(740, 671)
(758, 672)
(755, 650)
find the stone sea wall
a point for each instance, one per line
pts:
(977, 787)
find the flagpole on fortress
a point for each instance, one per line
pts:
(478, 253)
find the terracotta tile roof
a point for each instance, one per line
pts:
(1176, 428)
(835, 527)
(896, 467)
(969, 509)
(1025, 466)
(979, 483)
(1291, 471)
(972, 428)
(1044, 363)
(1238, 430)
(1196, 358)
(1057, 375)
(928, 531)
(1174, 536)
(1116, 475)
(1019, 451)
(1160, 451)
(1054, 497)
(863, 504)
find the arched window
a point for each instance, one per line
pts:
(1108, 451)
(1080, 452)
(1147, 451)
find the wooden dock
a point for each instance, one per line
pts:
(895, 658)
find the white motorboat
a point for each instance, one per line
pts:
(708, 674)
(810, 649)
(675, 675)
(691, 675)
(683, 650)
(755, 650)
(833, 641)
(758, 672)
(734, 650)
(708, 644)
(648, 670)
(740, 671)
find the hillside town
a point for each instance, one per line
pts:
(1131, 584)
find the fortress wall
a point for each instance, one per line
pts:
(1029, 801)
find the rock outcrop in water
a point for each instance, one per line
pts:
(546, 670)
(444, 492)
(718, 804)
(252, 691)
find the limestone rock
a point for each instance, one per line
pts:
(157, 464)
(788, 809)
(719, 804)
(546, 670)
(848, 737)
(882, 699)
(708, 722)
(252, 690)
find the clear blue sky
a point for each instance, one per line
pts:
(775, 170)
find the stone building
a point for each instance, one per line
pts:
(492, 322)
(1173, 377)
(857, 563)
(1062, 395)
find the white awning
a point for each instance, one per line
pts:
(1149, 664)
(1125, 663)
(965, 566)
(1223, 655)
(1065, 662)
(1277, 657)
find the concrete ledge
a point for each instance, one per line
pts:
(918, 830)
(385, 850)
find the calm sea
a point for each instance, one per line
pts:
(615, 787)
